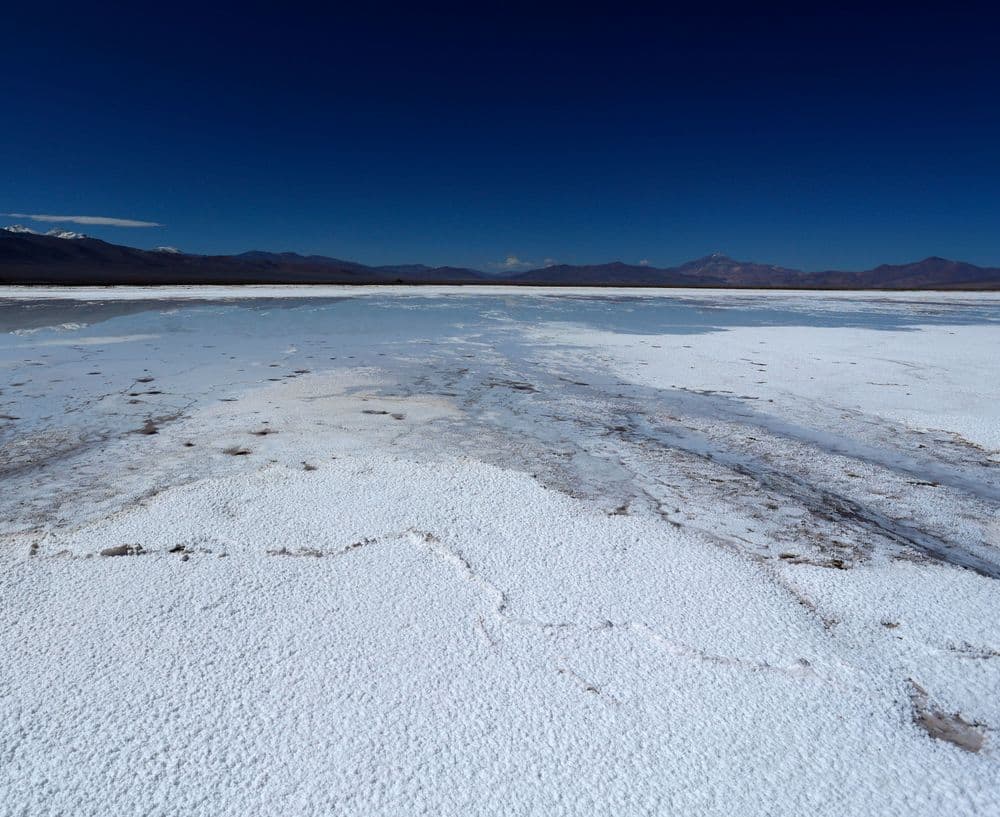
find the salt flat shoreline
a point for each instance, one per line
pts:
(210, 292)
(392, 554)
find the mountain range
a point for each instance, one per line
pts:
(66, 258)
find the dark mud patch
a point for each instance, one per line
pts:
(182, 550)
(319, 553)
(123, 550)
(971, 651)
(152, 425)
(941, 725)
(796, 559)
(314, 552)
(236, 451)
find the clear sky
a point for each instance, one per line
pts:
(453, 135)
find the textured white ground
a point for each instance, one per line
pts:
(361, 616)
(941, 378)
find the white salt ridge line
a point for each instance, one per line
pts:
(429, 542)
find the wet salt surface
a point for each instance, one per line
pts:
(559, 534)
(213, 338)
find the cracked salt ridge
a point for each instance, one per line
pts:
(801, 668)
(940, 725)
(499, 602)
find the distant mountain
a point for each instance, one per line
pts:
(931, 273)
(55, 232)
(65, 234)
(722, 268)
(614, 274)
(283, 259)
(718, 270)
(712, 270)
(64, 257)
(422, 274)
(416, 273)
(27, 257)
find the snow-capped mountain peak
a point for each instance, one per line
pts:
(170, 250)
(55, 232)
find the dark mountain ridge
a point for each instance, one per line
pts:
(28, 258)
(720, 271)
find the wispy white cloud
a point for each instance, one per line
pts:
(512, 262)
(97, 221)
(549, 262)
(644, 262)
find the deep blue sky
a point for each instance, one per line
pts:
(810, 138)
